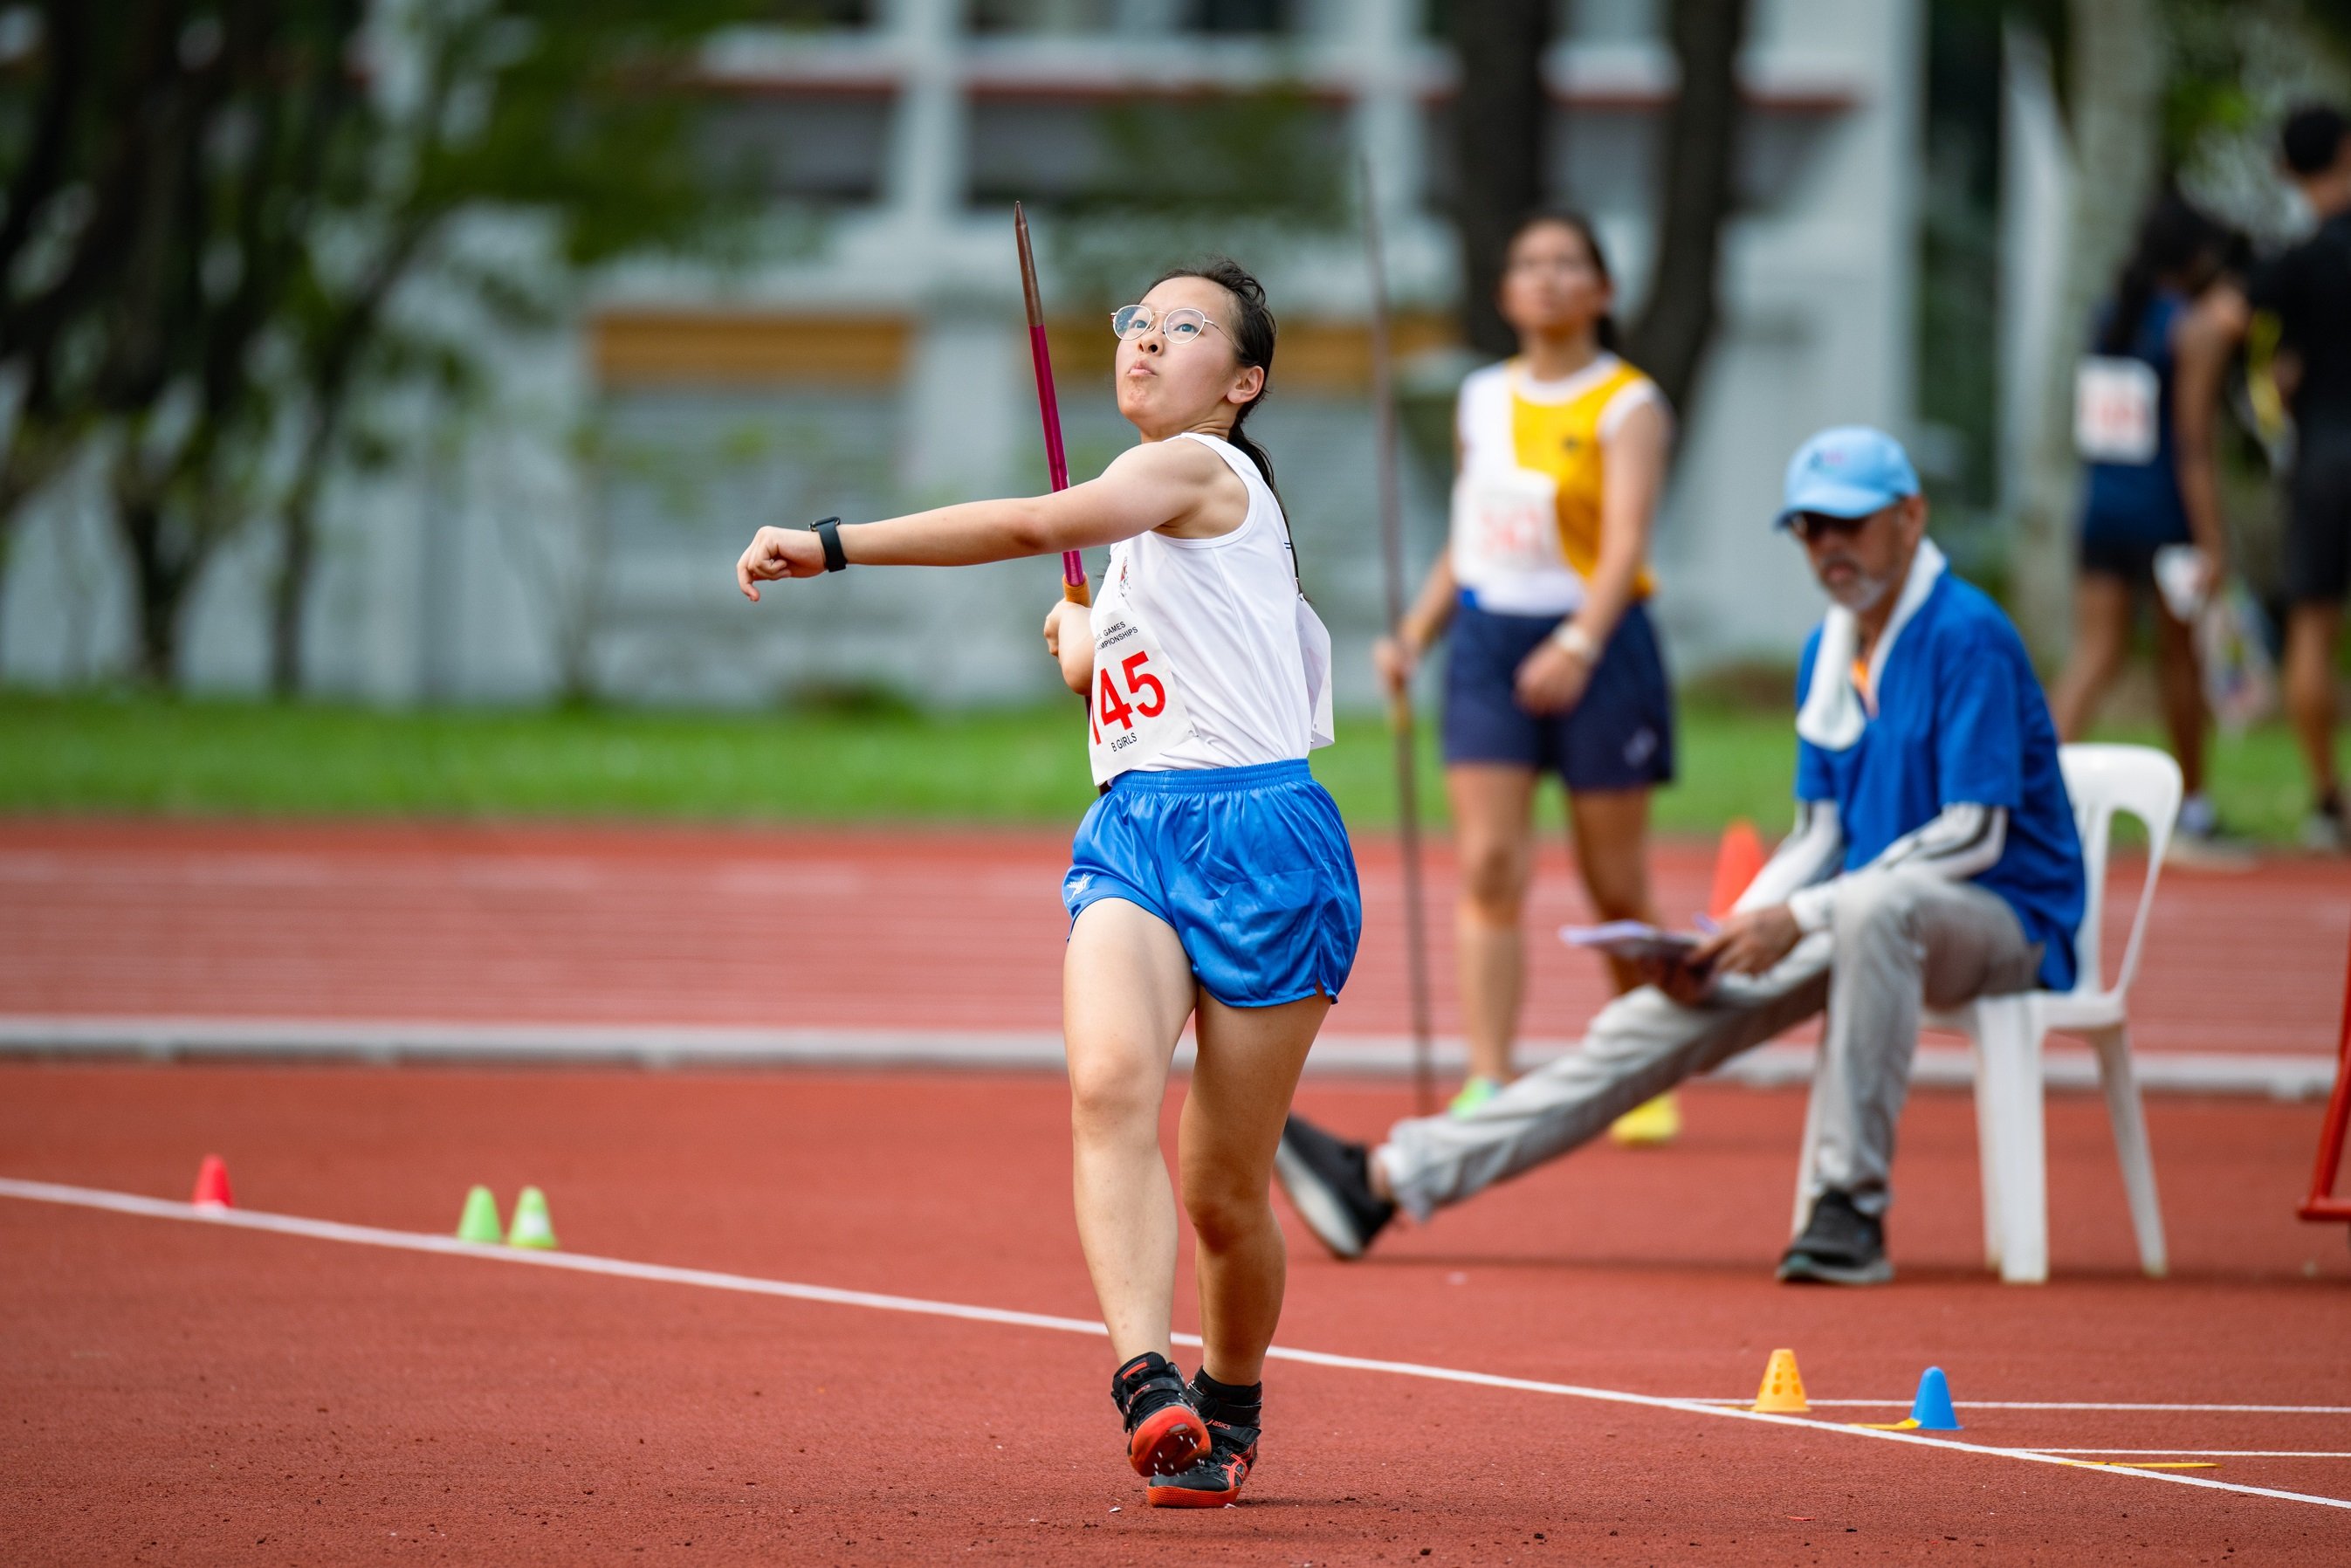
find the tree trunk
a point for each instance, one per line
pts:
(332, 371)
(1678, 319)
(289, 595)
(159, 583)
(1500, 118)
(2115, 97)
(297, 524)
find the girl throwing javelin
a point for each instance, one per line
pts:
(1212, 881)
(1555, 666)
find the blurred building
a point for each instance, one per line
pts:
(579, 535)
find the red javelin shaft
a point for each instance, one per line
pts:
(1048, 408)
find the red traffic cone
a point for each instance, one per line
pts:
(211, 1184)
(1735, 865)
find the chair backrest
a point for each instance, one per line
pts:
(2102, 780)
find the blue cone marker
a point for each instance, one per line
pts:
(1932, 1408)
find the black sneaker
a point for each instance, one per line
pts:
(1163, 1433)
(1214, 1480)
(1840, 1246)
(1328, 1182)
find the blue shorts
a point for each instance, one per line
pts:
(1618, 736)
(1250, 865)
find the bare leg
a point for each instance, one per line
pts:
(1494, 835)
(1612, 850)
(2102, 612)
(1248, 1067)
(1126, 989)
(2310, 632)
(2183, 682)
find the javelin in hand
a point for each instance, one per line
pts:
(1384, 424)
(1048, 408)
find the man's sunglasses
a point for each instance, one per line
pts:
(1811, 526)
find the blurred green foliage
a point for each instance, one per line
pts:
(212, 210)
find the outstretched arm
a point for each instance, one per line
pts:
(1146, 489)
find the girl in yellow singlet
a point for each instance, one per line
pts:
(1554, 664)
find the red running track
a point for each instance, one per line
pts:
(858, 929)
(186, 1394)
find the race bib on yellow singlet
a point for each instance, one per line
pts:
(1134, 712)
(1505, 526)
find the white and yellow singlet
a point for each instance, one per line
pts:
(1526, 508)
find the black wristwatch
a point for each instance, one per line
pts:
(827, 532)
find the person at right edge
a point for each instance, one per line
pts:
(2151, 490)
(2308, 288)
(1934, 859)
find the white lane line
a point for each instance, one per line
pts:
(578, 1262)
(709, 1279)
(2056, 1405)
(2278, 1076)
(2220, 1454)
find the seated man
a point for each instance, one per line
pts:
(1934, 859)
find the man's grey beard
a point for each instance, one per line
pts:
(1862, 593)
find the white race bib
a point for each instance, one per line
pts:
(1134, 712)
(2116, 406)
(1505, 526)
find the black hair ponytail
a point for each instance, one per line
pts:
(2174, 238)
(1252, 329)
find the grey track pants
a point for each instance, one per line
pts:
(1900, 939)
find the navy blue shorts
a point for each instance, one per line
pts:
(1620, 735)
(1250, 865)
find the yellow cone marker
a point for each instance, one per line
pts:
(1783, 1392)
(532, 1225)
(1649, 1125)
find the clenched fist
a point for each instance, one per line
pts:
(776, 554)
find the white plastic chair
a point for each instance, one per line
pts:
(2007, 1032)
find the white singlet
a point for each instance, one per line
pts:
(1206, 653)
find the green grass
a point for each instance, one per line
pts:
(150, 755)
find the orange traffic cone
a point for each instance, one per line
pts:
(1735, 865)
(211, 1184)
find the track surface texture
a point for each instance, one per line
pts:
(919, 929)
(189, 1393)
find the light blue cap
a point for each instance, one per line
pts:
(1848, 471)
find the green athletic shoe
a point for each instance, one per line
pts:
(1474, 1092)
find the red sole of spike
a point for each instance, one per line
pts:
(1184, 1497)
(1167, 1441)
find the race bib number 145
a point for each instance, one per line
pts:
(1135, 713)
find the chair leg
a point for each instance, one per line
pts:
(2128, 1115)
(2009, 1128)
(1986, 1151)
(1808, 1159)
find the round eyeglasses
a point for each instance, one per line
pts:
(1180, 325)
